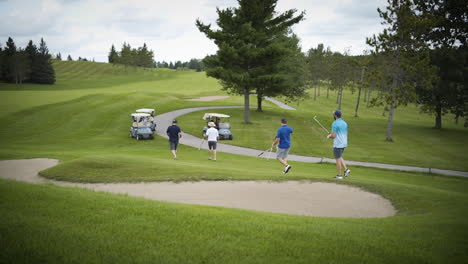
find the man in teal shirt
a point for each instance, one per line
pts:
(340, 142)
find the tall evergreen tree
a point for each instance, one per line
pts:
(316, 71)
(284, 73)
(246, 41)
(8, 54)
(42, 70)
(1, 63)
(58, 57)
(447, 32)
(406, 60)
(69, 58)
(20, 66)
(113, 56)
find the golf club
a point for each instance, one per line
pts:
(269, 153)
(315, 118)
(261, 153)
(201, 144)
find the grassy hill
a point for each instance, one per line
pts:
(84, 118)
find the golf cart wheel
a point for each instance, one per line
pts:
(151, 137)
(231, 137)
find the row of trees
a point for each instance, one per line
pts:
(143, 57)
(31, 64)
(58, 56)
(128, 56)
(193, 64)
(420, 57)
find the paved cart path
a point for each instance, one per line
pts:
(292, 197)
(165, 120)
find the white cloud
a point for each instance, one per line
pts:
(88, 28)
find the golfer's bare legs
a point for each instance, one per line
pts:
(214, 154)
(343, 165)
(174, 153)
(338, 166)
(283, 161)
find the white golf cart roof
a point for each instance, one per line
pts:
(210, 115)
(140, 115)
(145, 110)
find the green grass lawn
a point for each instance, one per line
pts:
(63, 225)
(414, 145)
(84, 119)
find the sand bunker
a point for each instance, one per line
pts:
(208, 98)
(299, 198)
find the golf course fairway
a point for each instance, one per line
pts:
(83, 121)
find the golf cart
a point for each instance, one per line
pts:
(224, 128)
(141, 126)
(151, 118)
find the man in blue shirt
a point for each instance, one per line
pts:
(283, 137)
(174, 133)
(340, 142)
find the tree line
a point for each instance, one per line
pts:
(143, 57)
(420, 57)
(31, 64)
(128, 56)
(193, 64)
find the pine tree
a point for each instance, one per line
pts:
(113, 56)
(1, 63)
(406, 57)
(20, 66)
(8, 54)
(447, 32)
(42, 70)
(69, 58)
(58, 57)
(248, 54)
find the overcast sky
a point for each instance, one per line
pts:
(88, 28)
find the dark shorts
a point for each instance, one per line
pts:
(212, 145)
(173, 145)
(338, 152)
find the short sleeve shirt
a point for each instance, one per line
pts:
(340, 127)
(173, 133)
(284, 134)
(212, 134)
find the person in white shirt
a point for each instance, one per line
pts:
(212, 135)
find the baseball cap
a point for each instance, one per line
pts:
(174, 121)
(337, 113)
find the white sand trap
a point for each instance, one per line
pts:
(208, 98)
(299, 198)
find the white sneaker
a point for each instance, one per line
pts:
(286, 170)
(339, 177)
(347, 172)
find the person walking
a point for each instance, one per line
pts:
(174, 133)
(283, 140)
(340, 142)
(213, 135)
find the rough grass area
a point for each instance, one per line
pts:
(49, 224)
